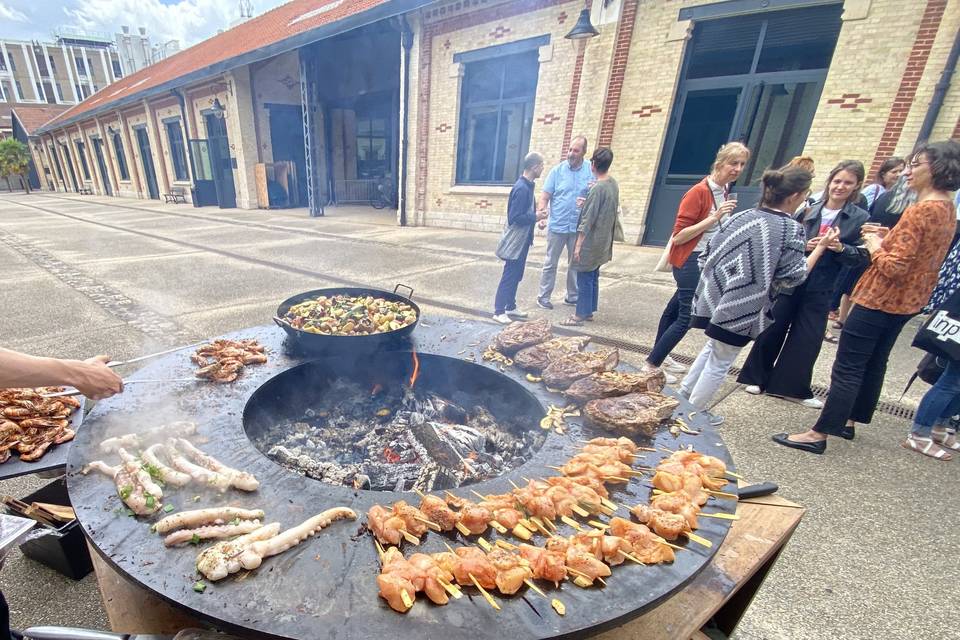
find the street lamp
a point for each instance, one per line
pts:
(582, 31)
(217, 109)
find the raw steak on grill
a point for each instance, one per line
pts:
(630, 414)
(521, 334)
(563, 372)
(608, 384)
(537, 357)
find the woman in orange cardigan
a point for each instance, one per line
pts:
(700, 212)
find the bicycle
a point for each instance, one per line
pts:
(384, 195)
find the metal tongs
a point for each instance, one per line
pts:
(120, 363)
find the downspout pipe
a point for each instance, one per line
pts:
(939, 92)
(406, 40)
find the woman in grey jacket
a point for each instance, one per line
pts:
(753, 256)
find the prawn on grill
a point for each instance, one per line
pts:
(668, 526)
(222, 361)
(647, 547)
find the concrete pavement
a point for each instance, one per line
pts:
(84, 275)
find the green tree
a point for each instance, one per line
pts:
(14, 161)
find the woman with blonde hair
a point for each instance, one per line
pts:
(701, 210)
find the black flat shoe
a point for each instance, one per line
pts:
(809, 447)
(847, 433)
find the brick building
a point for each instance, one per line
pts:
(330, 102)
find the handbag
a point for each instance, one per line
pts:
(512, 240)
(663, 264)
(940, 334)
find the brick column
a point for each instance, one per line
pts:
(909, 82)
(621, 52)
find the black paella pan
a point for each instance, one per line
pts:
(326, 343)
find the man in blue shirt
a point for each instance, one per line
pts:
(564, 190)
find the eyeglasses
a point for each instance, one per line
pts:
(914, 164)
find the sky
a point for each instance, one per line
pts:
(188, 21)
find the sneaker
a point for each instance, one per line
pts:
(570, 303)
(753, 390)
(671, 379)
(516, 314)
(544, 304)
(502, 318)
(671, 365)
(812, 403)
(714, 419)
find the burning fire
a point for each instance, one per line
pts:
(416, 370)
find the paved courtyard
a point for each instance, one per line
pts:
(80, 275)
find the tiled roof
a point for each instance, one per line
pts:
(295, 18)
(33, 116)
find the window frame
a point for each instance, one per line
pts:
(178, 157)
(81, 148)
(511, 49)
(121, 157)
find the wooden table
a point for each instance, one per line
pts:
(722, 591)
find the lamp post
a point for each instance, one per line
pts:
(217, 109)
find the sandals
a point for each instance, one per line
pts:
(946, 438)
(927, 447)
(572, 321)
(832, 339)
(838, 325)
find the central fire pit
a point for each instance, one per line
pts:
(398, 421)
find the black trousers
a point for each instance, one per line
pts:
(782, 358)
(506, 298)
(857, 377)
(675, 319)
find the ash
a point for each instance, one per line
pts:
(397, 440)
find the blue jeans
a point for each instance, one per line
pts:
(675, 320)
(506, 299)
(940, 403)
(588, 292)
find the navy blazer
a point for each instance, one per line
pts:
(848, 220)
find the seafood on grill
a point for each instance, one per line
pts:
(249, 550)
(30, 423)
(346, 315)
(134, 485)
(519, 335)
(223, 360)
(208, 524)
(564, 371)
(205, 469)
(632, 413)
(147, 437)
(152, 460)
(536, 358)
(609, 384)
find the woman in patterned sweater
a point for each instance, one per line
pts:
(751, 258)
(904, 265)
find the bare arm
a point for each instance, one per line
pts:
(92, 377)
(543, 201)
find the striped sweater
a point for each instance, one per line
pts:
(754, 255)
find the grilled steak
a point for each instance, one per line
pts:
(633, 413)
(537, 357)
(521, 334)
(564, 371)
(608, 384)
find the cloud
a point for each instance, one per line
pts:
(9, 13)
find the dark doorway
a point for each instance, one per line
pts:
(146, 160)
(220, 161)
(754, 78)
(286, 141)
(204, 186)
(57, 166)
(73, 173)
(102, 166)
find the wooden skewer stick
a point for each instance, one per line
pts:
(722, 516)
(409, 537)
(571, 522)
(533, 587)
(585, 576)
(598, 525)
(499, 527)
(616, 479)
(479, 495)
(449, 548)
(609, 503)
(556, 468)
(462, 528)
(407, 600)
(522, 532)
(503, 544)
(430, 523)
(695, 538)
(483, 544)
(420, 493)
(451, 589)
(630, 557)
(669, 544)
(734, 475)
(380, 551)
(513, 484)
(486, 595)
(722, 494)
(583, 513)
